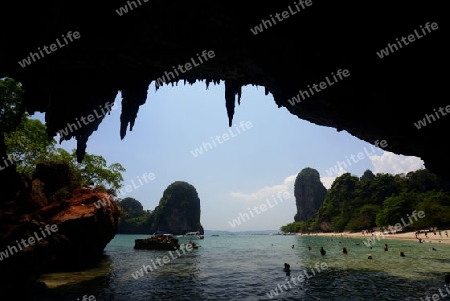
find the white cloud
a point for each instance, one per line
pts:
(395, 164)
(386, 163)
(269, 191)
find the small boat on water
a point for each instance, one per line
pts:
(194, 235)
(163, 233)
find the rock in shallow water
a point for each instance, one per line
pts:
(157, 242)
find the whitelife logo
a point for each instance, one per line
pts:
(281, 17)
(423, 123)
(11, 250)
(130, 4)
(411, 38)
(128, 188)
(188, 66)
(165, 260)
(397, 227)
(205, 145)
(359, 156)
(53, 47)
(300, 278)
(71, 127)
(11, 158)
(245, 217)
(302, 95)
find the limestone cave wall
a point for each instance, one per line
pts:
(96, 49)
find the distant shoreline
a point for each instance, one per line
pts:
(400, 236)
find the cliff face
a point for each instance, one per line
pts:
(309, 194)
(178, 211)
(93, 50)
(48, 231)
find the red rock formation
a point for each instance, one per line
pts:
(83, 231)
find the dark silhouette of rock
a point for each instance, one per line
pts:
(309, 194)
(38, 197)
(243, 57)
(157, 242)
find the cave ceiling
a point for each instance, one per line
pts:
(93, 53)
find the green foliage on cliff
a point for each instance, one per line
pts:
(28, 144)
(135, 225)
(94, 169)
(380, 200)
(178, 194)
(179, 205)
(131, 208)
(11, 95)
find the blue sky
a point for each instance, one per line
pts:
(249, 169)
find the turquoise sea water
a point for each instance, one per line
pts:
(248, 267)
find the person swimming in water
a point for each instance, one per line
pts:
(369, 256)
(322, 251)
(287, 269)
(344, 250)
(402, 254)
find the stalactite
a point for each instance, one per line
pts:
(232, 88)
(132, 97)
(81, 147)
(157, 86)
(207, 83)
(239, 93)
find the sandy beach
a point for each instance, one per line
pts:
(439, 237)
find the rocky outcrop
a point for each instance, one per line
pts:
(178, 210)
(157, 242)
(309, 194)
(294, 49)
(69, 232)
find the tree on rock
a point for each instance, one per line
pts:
(179, 210)
(131, 207)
